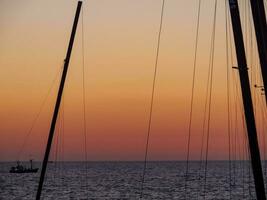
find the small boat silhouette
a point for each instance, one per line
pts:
(21, 169)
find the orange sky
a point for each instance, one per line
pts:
(120, 41)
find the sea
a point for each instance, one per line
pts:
(123, 180)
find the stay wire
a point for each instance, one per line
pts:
(203, 129)
(84, 106)
(192, 97)
(152, 98)
(248, 51)
(210, 94)
(57, 145)
(62, 136)
(38, 114)
(234, 101)
(228, 97)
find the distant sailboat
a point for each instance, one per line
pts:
(22, 169)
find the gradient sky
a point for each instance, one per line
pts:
(120, 45)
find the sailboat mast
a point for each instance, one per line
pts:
(58, 101)
(259, 19)
(247, 100)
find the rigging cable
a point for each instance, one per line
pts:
(38, 114)
(228, 98)
(252, 78)
(152, 98)
(192, 97)
(56, 147)
(59, 146)
(234, 88)
(263, 117)
(203, 128)
(210, 93)
(236, 129)
(84, 107)
(62, 143)
(250, 54)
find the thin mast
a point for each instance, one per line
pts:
(57, 105)
(259, 18)
(247, 101)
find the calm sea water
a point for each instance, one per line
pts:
(122, 180)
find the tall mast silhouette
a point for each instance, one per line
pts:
(58, 101)
(247, 100)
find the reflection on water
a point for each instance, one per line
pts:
(121, 180)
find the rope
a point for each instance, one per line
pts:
(251, 49)
(262, 108)
(192, 98)
(248, 34)
(210, 94)
(228, 99)
(37, 115)
(62, 135)
(152, 98)
(236, 129)
(263, 119)
(203, 129)
(57, 141)
(231, 142)
(84, 107)
(59, 146)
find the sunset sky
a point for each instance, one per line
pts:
(120, 39)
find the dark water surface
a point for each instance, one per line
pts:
(122, 180)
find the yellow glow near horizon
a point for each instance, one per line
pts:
(120, 42)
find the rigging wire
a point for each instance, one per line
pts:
(251, 49)
(62, 143)
(261, 111)
(210, 93)
(234, 101)
(20, 152)
(247, 42)
(152, 98)
(84, 106)
(252, 78)
(263, 135)
(236, 144)
(203, 129)
(228, 97)
(57, 145)
(192, 97)
(262, 131)
(261, 107)
(246, 146)
(245, 141)
(236, 129)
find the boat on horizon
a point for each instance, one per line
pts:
(22, 169)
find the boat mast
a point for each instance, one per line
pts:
(247, 100)
(57, 105)
(259, 18)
